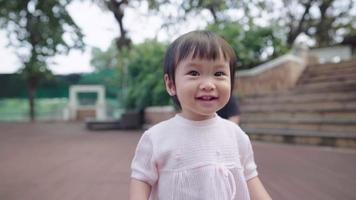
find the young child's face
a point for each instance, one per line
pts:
(202, 86)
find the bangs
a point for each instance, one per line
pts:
(203, 46)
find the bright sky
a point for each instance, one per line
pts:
(99, 28)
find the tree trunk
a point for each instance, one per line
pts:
(213, 13)
(117, 8)
(324, 25)
(296, 30)
(31, 91)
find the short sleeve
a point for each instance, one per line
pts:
(247, 157)
(143, 164)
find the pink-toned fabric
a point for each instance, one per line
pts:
(195, 160)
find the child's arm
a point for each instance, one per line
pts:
(256, 189)
(139, 190)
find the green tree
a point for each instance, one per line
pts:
(325, 21)
(252, 46)
(215, 8)
(117, 8)
(137, 75)
(38, 29)
(331, 22)
(144, 75)
(188, 9)
(106, 64)
(102, 60)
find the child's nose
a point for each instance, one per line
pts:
(207, 85)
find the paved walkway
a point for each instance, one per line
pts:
(58, 161)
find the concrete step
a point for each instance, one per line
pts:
(327, 78)
(346, 128)
(329, 72)
(347, 85)
(323, 106)
(291, 97)
(333, 66)
(321, 109)
(322, 138)
(315, 121)
(301, 117)
(295, 132)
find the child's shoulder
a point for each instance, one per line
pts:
(230, 124)
(241, 135)
(160, 127)
(227, 122)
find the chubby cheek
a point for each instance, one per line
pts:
(225, 91)
(185, 91)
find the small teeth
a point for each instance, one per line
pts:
(206, 98)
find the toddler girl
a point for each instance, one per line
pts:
(196, 155)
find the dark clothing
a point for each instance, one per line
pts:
(230, 109)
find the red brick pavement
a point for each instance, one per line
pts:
(58, 161)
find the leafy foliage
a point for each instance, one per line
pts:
(39, 29)
(117, 8)
(103, 60)
(252, 46)
(145, 86)
(325, 21)
(135, 72)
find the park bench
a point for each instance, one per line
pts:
(129, 120)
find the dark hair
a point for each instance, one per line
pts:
(203, 45)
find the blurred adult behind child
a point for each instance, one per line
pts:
(231, 110)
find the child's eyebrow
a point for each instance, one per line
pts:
(193, 64)
(221, 65)
(197, 64)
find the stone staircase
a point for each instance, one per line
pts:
(319, 110)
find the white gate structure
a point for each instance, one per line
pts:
(97, 110)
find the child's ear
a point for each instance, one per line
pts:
(170, 87)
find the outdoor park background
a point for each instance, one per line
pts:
(41, 36)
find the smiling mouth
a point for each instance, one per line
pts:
(207, 98)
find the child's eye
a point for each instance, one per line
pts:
(220, 74)
(193, 73)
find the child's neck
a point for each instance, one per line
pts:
(197, 117)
